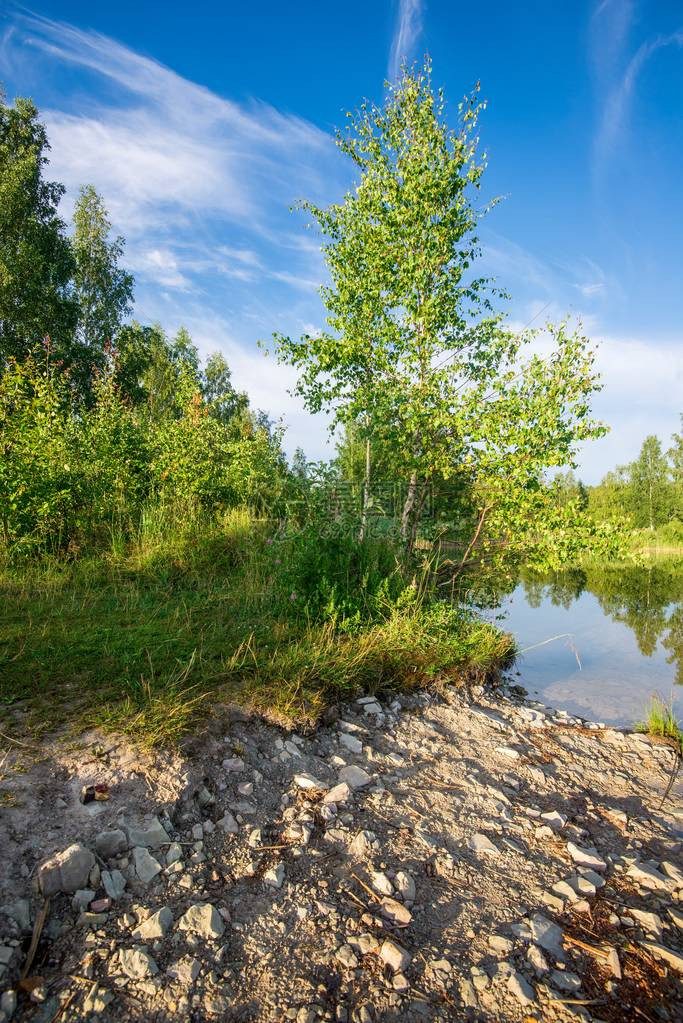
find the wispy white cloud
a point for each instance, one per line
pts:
(617, 73)
(164, 150)
(406, 33)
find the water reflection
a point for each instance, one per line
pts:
(600, 640)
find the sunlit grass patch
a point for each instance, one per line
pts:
(661, 721)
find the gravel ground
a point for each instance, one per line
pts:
(457, 857)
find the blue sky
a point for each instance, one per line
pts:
(201, 125)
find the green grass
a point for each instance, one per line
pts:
(157, 634)
(661, 721)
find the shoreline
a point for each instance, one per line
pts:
(435, 857)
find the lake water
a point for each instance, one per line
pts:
(620, 639)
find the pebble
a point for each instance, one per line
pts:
(308, 781)
(394, 956)
(521, 989)
(114, 883)
(151, 837)
(146, 867)
(339, 794)
(66, 871)
(202, 919)
(547, 934)
(136, 963)
(111, 843)
(355, 777)
(586, 857)
(275, 876)
(155, 926)
(481, 844)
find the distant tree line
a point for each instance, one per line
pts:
(646, 493)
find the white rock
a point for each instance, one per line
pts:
(648, 876)
(146, 867)
(381, 883)
(521, 989)
(114, 883)
(354, 776)
(275, 875)
(398, 914)
(586, 857)
(347, 957)
(155, 926)
(151, 837)
(481, 844)
(649, 921)
(137, 964)
(308, 781)
(547, 934)
(537, 959)
(66, 871)
(185, 970)
(228, 824)
(233, 764)
(203, 919)
(339, 794)
(405, 886)
(351, 743)
(668, 955)
(394, 956)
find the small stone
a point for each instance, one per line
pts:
(648, 921)
(114, 883)
(586, 857)
(203, 919)
(275, 875)
(521, 989)
(185, 970)
(468, 994)
(8, 1003)
(508, 751)
(233, 764)
(100, 905)
(308, 781)
(150, 837)
(174, 853)
(668, 955)
(347, 957)
(82, 899)
(155, 926)
(246, 788)
(137, 964)
(20, 912)
(351, 742)
(381, 883)
(363, 843)
(355, 777)
(396, 912)
(537, 959)
(481, 844)
(339, 794)
(96, 1000)
(648, 876)
(111, 843)
(405, 886)
(146, 867)
(564, 980)
(554, 819)
(547, 934)
(500, 944)
(228, 824)
(394, 956)
(66, 871)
